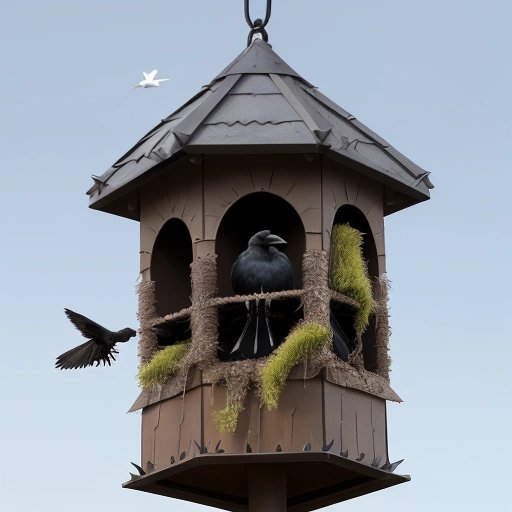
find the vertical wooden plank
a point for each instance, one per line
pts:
(333, 416)
(248, 422)
(178, 426)
(298, 419)
(364, 427)
(167, 432)
(149, 423)
(277, 424)
(348, 424)
(307, 418)
(254, 427)
(203, 248)
(313, 241)
(379, 428)
(190, 426)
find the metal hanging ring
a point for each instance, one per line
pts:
(258, 25)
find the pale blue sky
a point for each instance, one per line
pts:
(434, 78)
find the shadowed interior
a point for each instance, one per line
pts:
(170, 267)
(250, 214)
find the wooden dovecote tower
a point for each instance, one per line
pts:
(260, 148)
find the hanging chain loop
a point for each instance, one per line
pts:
(258, 25)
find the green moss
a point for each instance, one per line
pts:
(303, 340)
(349, 274)
(162, 365)
(227, 419)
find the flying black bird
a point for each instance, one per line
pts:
(99, 348)
(260, 268)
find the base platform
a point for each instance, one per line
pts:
(313, 479)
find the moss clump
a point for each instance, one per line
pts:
(227, 419)
(349, 274)
(162, 365)
(305, 339)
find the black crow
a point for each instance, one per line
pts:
(99, 348)
(260, 268)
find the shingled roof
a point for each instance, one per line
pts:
(260, 104)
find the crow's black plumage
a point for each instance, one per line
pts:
(260, 268)
(99, 348)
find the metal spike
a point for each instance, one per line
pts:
(150, 467)
(99, 183)
(344, 453)
(198, 447)
(173, 460)
(278, 448)
(138, 468)
(391, 467)
(377, 461)
(307, 447)
(248, 448)
(360, 458)
(218, 449)
(134, 477)
(327, 447)
(183, 455)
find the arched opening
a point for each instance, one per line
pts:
(253, 213)
(250, 214)
(355, 218)
(170, 267)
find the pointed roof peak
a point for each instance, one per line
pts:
(260, 104)
(258, 58)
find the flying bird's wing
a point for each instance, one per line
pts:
(86, 326)
(146, 75)
(151, 76)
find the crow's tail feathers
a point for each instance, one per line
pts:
(256, 339)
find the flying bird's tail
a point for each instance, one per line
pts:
(256, 339)
(84, 355)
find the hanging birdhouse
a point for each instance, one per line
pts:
(263, 304)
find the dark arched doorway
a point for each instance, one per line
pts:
(250, 214)
(170, 267)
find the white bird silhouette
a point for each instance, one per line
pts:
(149, 80)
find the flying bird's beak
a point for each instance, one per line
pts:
(275, 240)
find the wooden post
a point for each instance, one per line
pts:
(267, 489)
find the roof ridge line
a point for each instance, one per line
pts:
(184, 130)
(319, 134)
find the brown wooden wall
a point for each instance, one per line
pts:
(176, 194)
(201, 193)
(313, 411)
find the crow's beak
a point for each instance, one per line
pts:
(274, 240)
